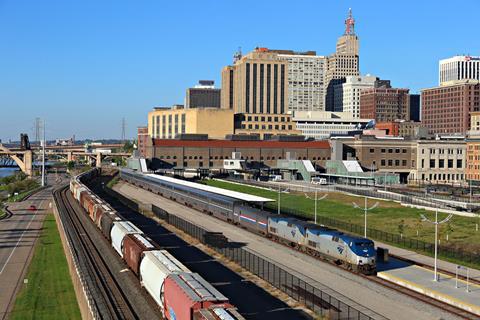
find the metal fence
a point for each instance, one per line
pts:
(314, 298)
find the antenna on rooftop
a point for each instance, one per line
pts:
(238, 55)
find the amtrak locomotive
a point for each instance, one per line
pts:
(351, 252)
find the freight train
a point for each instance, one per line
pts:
(351, 252)
(180, 293)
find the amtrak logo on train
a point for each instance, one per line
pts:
(340, 249)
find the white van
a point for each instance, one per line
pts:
(317, 180)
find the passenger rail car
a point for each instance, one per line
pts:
(351, 252)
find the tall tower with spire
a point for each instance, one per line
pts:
(348, 42)
(343, 63)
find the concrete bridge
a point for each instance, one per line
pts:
(24, 158)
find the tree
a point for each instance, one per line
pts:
(128, 146)
(70, 165)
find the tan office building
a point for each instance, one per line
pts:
(265, 124)
(472, 170)
(167, 123)
(256, 83)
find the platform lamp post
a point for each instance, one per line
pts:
(278, 200)
(436, 223)
(316, 199)
(365, 211)
(43, 156)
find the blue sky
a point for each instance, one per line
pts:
(83, 65)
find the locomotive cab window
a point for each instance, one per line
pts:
(272, 229)
(312, 244)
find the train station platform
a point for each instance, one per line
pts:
(421, 259)
(447, 289)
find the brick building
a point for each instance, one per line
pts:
(385, 104)
(176, 153)
(446, 109)
(472, 170)
(142, 139)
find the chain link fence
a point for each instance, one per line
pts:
(314, 298)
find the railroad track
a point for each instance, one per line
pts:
(109, 300)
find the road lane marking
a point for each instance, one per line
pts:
(21, 237)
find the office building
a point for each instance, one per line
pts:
(415, 107)
(203, 95)
(384, 104)
(306, 74)
(347, 95)
(256, 83)
(343, 63)
(322, 124)
(446, 109)
(168, 123)
(142, 138)
(407, 129)
(265, 124)
(202, 153)
(458, 68)
(472, 170)
(441, 160)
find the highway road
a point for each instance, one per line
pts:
(18, 234)
(361, 293)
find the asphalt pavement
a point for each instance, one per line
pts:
(18, 234)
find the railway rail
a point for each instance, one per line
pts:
(110, 302)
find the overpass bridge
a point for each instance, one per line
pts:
(24, 158)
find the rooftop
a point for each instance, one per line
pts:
(219, 191)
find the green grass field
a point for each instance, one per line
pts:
(49, 292)
(388, 216)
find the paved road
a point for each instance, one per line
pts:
(385, 302)
(18, 234)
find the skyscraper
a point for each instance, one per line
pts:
(344, 62)
(458, 68)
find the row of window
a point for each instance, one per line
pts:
(264, 127)
(243, 158)
(442, 164)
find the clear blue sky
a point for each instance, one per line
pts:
(83, 65)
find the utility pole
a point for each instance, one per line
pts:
(365, 210)
(436, 223)
(124, 126)
(43, 156)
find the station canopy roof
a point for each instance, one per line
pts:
(224, 192)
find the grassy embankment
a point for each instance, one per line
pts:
(49, 292)
(388, 216)
(18, 183)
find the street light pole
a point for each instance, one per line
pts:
(278, 209)
(316, 199)
(436, 223)
(365, 211)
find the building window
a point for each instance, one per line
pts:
(390, 150)
(404, 163)
(450, 163)
(382, 162)
(390, 163)
(404, 150)
(372, 150)
(397, 150)
(432, 163)
(247, 88)
(397, 163)
(383, 150)
(441, 163)
(459, 163)
(183, 122)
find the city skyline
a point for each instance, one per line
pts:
(97, 63)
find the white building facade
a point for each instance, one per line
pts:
(305, 74)
(458, 68)
(348, 97)
(321, 125)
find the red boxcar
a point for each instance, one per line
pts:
(216, 313)
(184, 293)
(133, 247)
